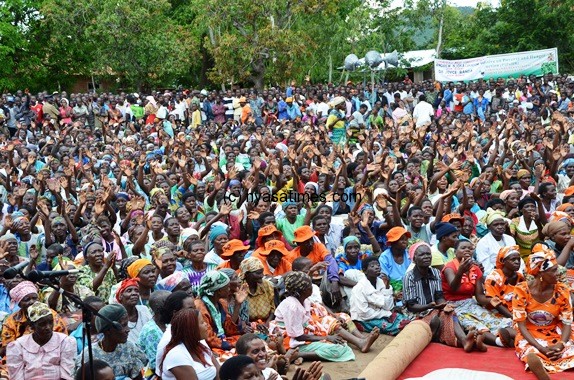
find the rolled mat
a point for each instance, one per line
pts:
(397, 355)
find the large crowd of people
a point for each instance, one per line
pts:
(236, 234)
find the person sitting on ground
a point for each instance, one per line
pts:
(422, 292)
(372, 301)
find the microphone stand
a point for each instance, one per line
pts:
(87, 313)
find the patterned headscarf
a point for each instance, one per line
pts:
(366, 207)
(413, 248)
(560, 216)
(541, 259)
(37, 311)
(22, 290)
(251, 264)
(212, 282)
(170, 282)
(158, 252)
(155, 191)
(135, 268)
(124, 285)
(296, 283)
(504, 252)
(58, 220)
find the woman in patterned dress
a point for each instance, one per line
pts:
(542, 313)
(499, 286)
(462, 282)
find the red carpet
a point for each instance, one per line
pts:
(499, 360)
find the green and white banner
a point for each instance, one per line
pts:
(538, 62)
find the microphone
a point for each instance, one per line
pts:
(38, 275)
(14, 271)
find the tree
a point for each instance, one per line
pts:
(21, 44)
(256, 42)
(132, 40)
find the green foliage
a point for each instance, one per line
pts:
(133, 40)
(145, 43)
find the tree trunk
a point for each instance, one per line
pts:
(330, 68)
(440, 28)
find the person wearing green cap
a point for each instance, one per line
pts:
(125, 358)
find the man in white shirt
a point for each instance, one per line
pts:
(322, 108)
(423, 112)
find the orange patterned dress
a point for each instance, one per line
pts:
(543, 321)
(496, 285)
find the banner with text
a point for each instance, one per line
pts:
(538, 62)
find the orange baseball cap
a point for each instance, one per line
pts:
(448, 218)
(396, 233)
(232, 246)
(303, 233)
(274, 245)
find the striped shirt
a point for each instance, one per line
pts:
(422, 290)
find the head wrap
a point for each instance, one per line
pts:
(296, 283)
(560, 216)
(234, 182)
(123, 195)
(135, 268)
(492, 215)
(186, 233)
(287, 203)
(413, 248)
(212, 282)
(504, 252)
(22, 290)
(58, 220)
(170, 282)
(215, 231)
(522, 173)
(113, 312)
(553, 227)
(564, 206)
(228, 272)
(156, 190)
(315, 185)
(567, 162)
(541, 259)
(252, 264)
(8, 236)
(366, 207)
(506, 193)
(379, 191)
(151, 99)
(349, 239)
(126, 284)
(37, 311)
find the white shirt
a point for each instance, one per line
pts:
(487, 250)
(323, 108)
(423, 113)
(368, 303)
(180, 356)
(144, 316)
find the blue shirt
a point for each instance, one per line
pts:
(389, 267)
